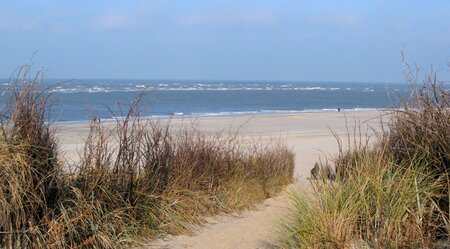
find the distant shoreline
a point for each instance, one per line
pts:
(233, 114)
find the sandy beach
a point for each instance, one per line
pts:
(309, 134)
(311, 138)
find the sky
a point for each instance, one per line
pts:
(298, 40)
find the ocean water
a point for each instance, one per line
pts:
(81, 100)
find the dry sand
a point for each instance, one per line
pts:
(309, 135)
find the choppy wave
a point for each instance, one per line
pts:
(103, 87)
(100, 86)
(79, 100)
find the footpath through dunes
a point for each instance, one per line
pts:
(310, 136)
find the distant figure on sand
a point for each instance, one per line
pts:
(339, 109)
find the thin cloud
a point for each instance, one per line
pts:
(257, 17)
(339, 20)
(4, 22)
(18, 24)
(249, 17)
(113, 20)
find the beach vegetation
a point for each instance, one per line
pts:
(389, 193)
(137, 177)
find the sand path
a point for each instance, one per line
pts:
(310, 136)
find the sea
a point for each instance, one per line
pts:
(77, 101)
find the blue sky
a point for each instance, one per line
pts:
(225, 40)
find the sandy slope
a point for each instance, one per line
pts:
(310, 136)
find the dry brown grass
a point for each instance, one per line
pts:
(139, 178)
(30, 171)
(422, 127)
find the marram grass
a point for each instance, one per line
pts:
(139, 179)
(384, 204)
(394, 194)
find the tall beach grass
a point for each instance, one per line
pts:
(139, 178)
(391, 194)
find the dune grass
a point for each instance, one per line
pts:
(385, 204)
(393, 194)
(139, 178)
